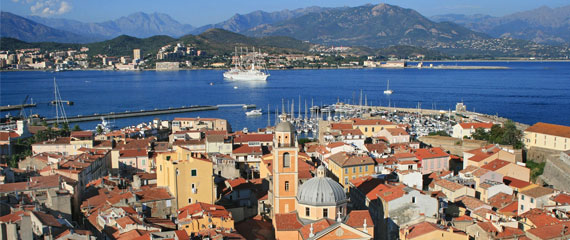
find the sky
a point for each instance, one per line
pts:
(200, 12)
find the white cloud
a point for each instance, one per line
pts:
(49, 7)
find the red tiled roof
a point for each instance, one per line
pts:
(13, 217)
(356, 219)
(190, 211)
(304, 169)
(405, 155)
(495, 165)
(4, 136)
(245, 149)
(358, 121)
(344, 159)
(471, 203)
(133, 153)
(551, 232)
(336, 144)
(41, 182)
(397, 131)
(374, 188)
(463, 218)
(341, 126)
(417, 230)
(81, 134)
(480, 154)
(287, 221)
(513, 182)
(253, 137)
(500, 200)
(487, 227)
(378, 147)
(47, 219)
(563, 199)
(512, 208)
(148, 194)
(550, 129)
(452, 186)
(353, 132)
(127, 220)
(424, 153)
(510, 233)
(537, 192)
(476, 125)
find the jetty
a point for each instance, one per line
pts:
(140, 113)
(14, 107)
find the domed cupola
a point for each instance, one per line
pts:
(321, 191)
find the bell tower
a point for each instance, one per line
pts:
(285, 169)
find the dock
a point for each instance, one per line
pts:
(140, 113)
(14, 107)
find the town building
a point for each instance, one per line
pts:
(463, 130)
(347, 166)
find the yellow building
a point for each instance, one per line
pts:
(202, 216)
(371, 127)
(188, 175)
(215, 124)
(549, 136)
(348, 166)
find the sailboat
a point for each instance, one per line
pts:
(388, 91)
(241, 73)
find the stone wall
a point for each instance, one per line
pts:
(557, 173)
(455, 146)
(539, 154)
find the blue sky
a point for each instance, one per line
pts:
(200, 12)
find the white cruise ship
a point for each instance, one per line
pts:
(240, 71)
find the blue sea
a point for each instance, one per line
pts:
(528, 92)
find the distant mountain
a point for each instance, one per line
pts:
(241, 23)
(377, 26)
(541, 25)
(14, 26)
(138, 24)
(213, 41)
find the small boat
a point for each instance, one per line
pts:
(211, 84)
(255, 112)
(388, 91)
(235, 87)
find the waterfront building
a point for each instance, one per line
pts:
(462, 130)
(137, 55)
(545, 141)
(188, 176)
(371, 127)
(198, 123)
(66, 145)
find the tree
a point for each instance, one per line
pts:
(99, 129)
(76, 128)
(480, 134)
(439, 133)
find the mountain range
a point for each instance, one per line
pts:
(14, 26)
(541, 25)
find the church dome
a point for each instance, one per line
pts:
(321, 191)
(285, 127)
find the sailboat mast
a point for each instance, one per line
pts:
(55, 101)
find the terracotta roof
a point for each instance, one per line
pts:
(358, 121)
(510, 233)
(541, 220)
(405, 155)
(353, 132)
(318, 226)
(336, 144)
(304, 169)
(148, 194)
(463, 218)
(127, 220)
(563, 199)
(550, 129)
(253, 137)
(245, 149)
(344, 159)
(341, 126)
(197, 210)
(356, 219)
(133, 153)
(480, 172)
(500, 200)
(287, 222)
(41, 182)
(513, 182)
(476, 125)
(495, 165)
(538, 192)
(47, 219)
(424, 153)
(4, 136)
(471, 203)
(511, 208)
(487, 227)
(378, 147)
(480, 154)
(469, 169)
(397, 131)
(75, 231)
(452, 186)
(551, 232)
(418, 230)
(81, 134)
(13, 217)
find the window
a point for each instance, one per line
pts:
(353, 169)
(346, 171)
(366, 129)
(360, 169)
(189, 200)
(161, 168)
(176, 172)
(345, 180)
(168, 158)
(522, 207)
(531, 200)
(286, 160)
(366, 168)
(307, 212)
(287, 186)
(522, 197)
(194, 172)
(372, 129)
(413, 199)
(143, 162)
(325, 212)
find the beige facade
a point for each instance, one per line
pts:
(549, 136)
(215, 124)
(188, 176)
